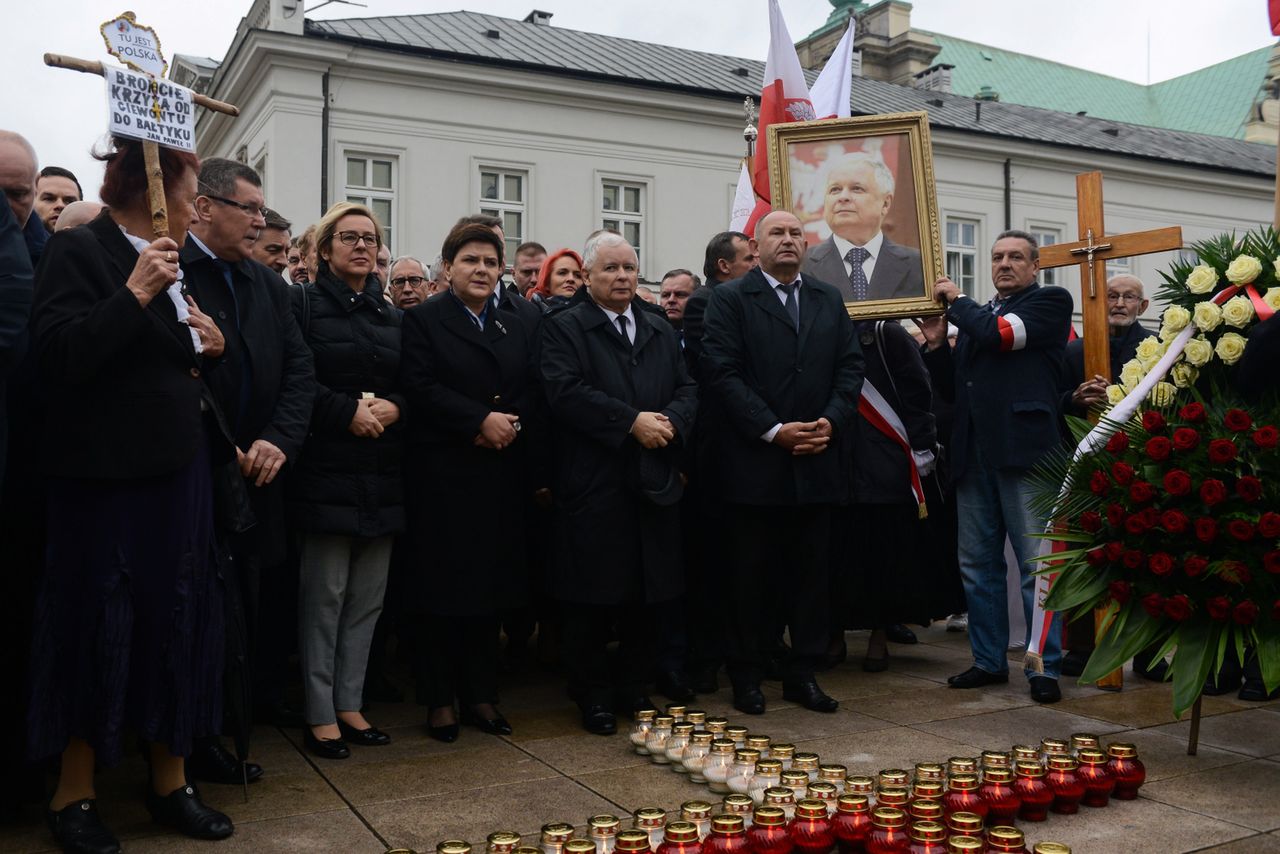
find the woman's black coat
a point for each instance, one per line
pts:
(612, 545)
(343, 483)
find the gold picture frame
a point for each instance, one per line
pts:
(828, 173)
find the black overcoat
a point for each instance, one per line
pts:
(612, 545)
(467, 504)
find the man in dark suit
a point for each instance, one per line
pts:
(857, 257)
(264, 382)
(622, 404)
(1007, 369)
(783, 369)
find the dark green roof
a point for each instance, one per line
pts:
(1214, 100)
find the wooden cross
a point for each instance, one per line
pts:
(1084, 252)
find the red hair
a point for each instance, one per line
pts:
(543, 288)
(124, 180)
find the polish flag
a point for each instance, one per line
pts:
(833, 90)
(744, 202)
(1273, 12)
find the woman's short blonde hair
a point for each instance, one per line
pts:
(327, 227)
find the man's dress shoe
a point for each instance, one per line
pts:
(1044, 689)
(599, 720)
(809, 695)
(976, 677)
(210, 762)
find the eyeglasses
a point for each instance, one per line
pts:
(411, 281)
(1124, 298)
(251, 210)
(351, 238)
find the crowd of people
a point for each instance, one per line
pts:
(231, 444)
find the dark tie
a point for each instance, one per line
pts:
(857, 276)
(792, 305)
(996, 304)
(622, 327)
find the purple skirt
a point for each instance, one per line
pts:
(129, 619)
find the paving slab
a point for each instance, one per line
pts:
(1251, 731)
(1244, 794)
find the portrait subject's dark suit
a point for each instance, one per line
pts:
(898, 272)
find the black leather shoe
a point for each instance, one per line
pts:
(809, 695)
(371, 737)
(898, 633)
(447, 733)
(210, 762)
(496, 725)
(1255, 690)
(705, 680)
(1226, 680)
(1044, 689)
(78, 828)
(325, 748)
(976, 677)
(675, 688)
(183, 809)
(748, 700)
(599, 720)
(1073, 663)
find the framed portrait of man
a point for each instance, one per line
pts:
(863, 189)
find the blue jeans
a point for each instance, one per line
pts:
(991, 504)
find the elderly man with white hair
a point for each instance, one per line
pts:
(858, 258)
(409, 282)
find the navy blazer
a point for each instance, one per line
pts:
(898, 273)
(1008, 372)
(758, 371)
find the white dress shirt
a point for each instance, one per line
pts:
(175, 290)
(869, 263)
(631, 321)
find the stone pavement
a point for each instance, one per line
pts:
(416, 791)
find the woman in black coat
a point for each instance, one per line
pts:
(621, 409)
(468, 372)
(344, 494)
(128, 625)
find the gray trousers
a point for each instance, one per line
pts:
(342, 583)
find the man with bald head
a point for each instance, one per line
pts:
(783, 370)
(858, 258)
(18, 178)
(1126, 302)
(77, 213)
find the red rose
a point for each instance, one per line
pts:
(1136, 524)
(1099, 483)
(1115, 515)
(1161, 563)
(1122, 473)
(1120, 591)
(1095, 557)
(1184, 438)
(1177, 482)
(1174, 521)
(1240, 530)
(1118, 443)
(1266, 437)
(1213, 491)
(1237, 420)
(1269, 525)
(1245, 613)
(1152, 421)
(1194, 566)
(1132, 558)
(1113, 551)
(1192, 412)
(1206, 529)
(1222, 451)
(1159, 448)
(1177, 607)
(1090, 522)
(1218, 607)
(1151, 516)
(1153, 604)
(1271, 562)
(1141, 491)
(1234, 572)
(1249, 488)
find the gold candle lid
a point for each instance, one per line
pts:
(1025, 753)
(998, 775)
(1081, 740)
(722, 745)
(664, 720)
(557, 832)
(649, 817)
(769, 816)
(893, 777)
(859, 783)
(995, 759)
(457, 846)
(1092, 756)
(736, 732)
(677, 711)
(748, 755)
(1051, 746)
(1003, 834)
(852, 804)
(832, 773)
(1029, 769)
(962, 765)
(716, 723)
(965, 822)
(964, 782)
(811, 808)
(633, 840)
(779, 795)
(965, 845)
(503, 840)
(683, 728)
(1122, 750)
(1051, 848)
(929, 771)
(929, 790)
(579, 846)
(681, 831)
(893, 796)
(691, 810)
(822, 790)
(728, 824)
(702, 738)
(888, 817)
(645, 714)
(769, 766)
(795, 778)
(805, 761)
(759, 742)
(1063, 763)
(926, 810)
(737, 803)
(782, 750)
(928, 831)
(603, 824)
(696, 716)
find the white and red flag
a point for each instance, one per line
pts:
(833, 90)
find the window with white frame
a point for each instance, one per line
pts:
(260, 166)
(962, 253)
(1118, 266)
(622, 209)
(371, 181)
(504, 193)
(1047, 236)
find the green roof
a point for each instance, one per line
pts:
(1214, 100)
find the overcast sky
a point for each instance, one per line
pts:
(63, 113)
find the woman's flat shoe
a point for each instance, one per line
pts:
(447, 733)
(78, 827)
(496, 725)
(371, 737)
(325, 748)
(183, 809)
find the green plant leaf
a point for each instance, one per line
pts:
(1132, 631)
(1074, 589)
(1197, 648)
(1268, 649)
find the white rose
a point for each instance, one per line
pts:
(1131, 374)
(1203, 278)
(1207, 316)
(1175, 318)
(1243, 270)
(1237, 312)
(1199, 351)
(1184, 375)
(1230, 348)
(1162, 394)
(1272, 298)
(1115, 394)
(1148, 350)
